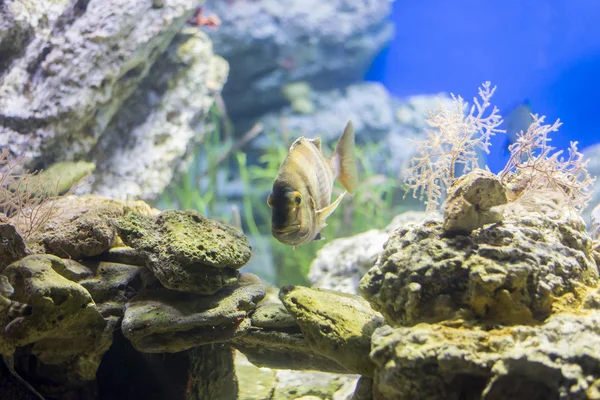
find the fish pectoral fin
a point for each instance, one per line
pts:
(323, 213)
(343, 160)
(318, 237)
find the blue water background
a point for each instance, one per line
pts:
(547, 52)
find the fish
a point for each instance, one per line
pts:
(301, 198)
(518, 119)
(9, 307)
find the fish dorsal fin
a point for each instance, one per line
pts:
(343, 161)
(323, 213)
(317, 142)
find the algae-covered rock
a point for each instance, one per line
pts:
(64, 325)
(59, 178)
(470, 200)
(272, 315)
(336, 325)
(166, 321)
(508, 273)
(186, 251)
(80, 227)
(13, 246)
(341, 263)
(113, 285)
(124, 255)
(555, 360)
(212, 373)
(276, 341)
(286, 348)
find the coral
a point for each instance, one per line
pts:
(452, 141)
(533, 166)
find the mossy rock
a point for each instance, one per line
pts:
(186, 251)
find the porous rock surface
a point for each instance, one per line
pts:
(556, 360)
(64, 325)
(79, 227)
(342, 262)
(507, 273)
(471, 199)
(336, 325)
(186, 251)
(271, 43)
(167, 321)
(78, 79)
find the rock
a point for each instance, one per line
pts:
(113, 285)
(75, 66)
(271, 43)
(510, 273)
(285, 349)
(336, 325)
(470, 200)
(72, 270)
(165, 321)
(341, 263)
(595, 223)
(13, 246)
(254, 382)
(64, 325)
(62, 176)
(156, 130)
(592, 155)
(273, 316)
(186, 251)
(369, 105)
(124, 255)
(212, 373)
(78, 227)
(520, 362)
(266, 383)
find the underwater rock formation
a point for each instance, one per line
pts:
(65, 327)
(595, 223)
(508, 273)
(186, 251)
(470, 200)
(557, 359)
(336, 325)
(80, 227)
(341, 263)
(73, 75)
(13, 246)
(166, 321)
(162, 120)
(271, 43)
(592, 154)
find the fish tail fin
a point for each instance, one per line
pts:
(343, 160)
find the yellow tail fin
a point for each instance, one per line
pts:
(343, 160)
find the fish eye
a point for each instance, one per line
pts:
(298, 199)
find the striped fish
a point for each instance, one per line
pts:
(301, 198)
